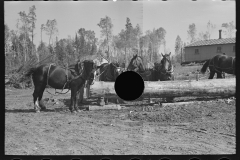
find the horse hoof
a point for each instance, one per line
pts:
(74, 111)
(37, 111)
(78, 110)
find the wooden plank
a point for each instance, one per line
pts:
(163, 89)
(176, 104)
(110, 106)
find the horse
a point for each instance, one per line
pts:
(165, 68)
(60, 78)
(87, 86)
(162, 71)
(136, 64)
(108, 72)
(219, 64)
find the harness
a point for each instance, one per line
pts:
(169, 71)
(105, 70)
(142, 72)
(223, 69)
(64, 83)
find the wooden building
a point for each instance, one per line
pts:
(201, 51)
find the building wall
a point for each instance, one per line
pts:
(207, 52)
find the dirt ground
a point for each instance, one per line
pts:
(199, 128)
(205, 128)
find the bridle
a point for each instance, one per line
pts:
(93, 79)
(170, 68)
(136, 69)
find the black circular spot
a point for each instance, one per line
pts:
(129, 86)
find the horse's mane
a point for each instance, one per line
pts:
(135, 57)
(115, 64)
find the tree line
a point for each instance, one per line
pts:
(19, 46)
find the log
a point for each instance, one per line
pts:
(177, 104)
(110, 106)
(164, 89)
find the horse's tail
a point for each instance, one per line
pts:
(30, 72)
(205, 66)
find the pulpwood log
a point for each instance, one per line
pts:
(115, 107)
(163, 89)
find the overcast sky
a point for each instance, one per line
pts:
(173, 16)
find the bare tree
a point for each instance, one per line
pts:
(192, 31)
(106, 25)
(203, 36)
(178, 48)
(210, 28)
(229, 29)
(32, 21)
(51, 28)
(25, 30)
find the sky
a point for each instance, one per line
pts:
(174, 16)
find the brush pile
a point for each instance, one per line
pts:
(16, 77)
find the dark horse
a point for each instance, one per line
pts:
(109, 72)
(162, 71)
(60, 78)
(136, 64)
(165, 68)
(219, 64)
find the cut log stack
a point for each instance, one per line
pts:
(164, 89)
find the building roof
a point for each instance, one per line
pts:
(212, 42)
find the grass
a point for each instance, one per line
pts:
(187, 72)
(190, 72)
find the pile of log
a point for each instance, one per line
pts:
(164, 89)
(16, 80)
(16, 77)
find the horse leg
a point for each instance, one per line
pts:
(74, 93)
(80, 95)
(88, 91)
(212, 73)
(41, 104)
(72, 99)
(77, 101)
(35, 100)
(223, 75)
(219, 75)
(75, 104)
(106, 100)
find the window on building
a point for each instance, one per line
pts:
(233, 48)
(219, 49)
(196, 51)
